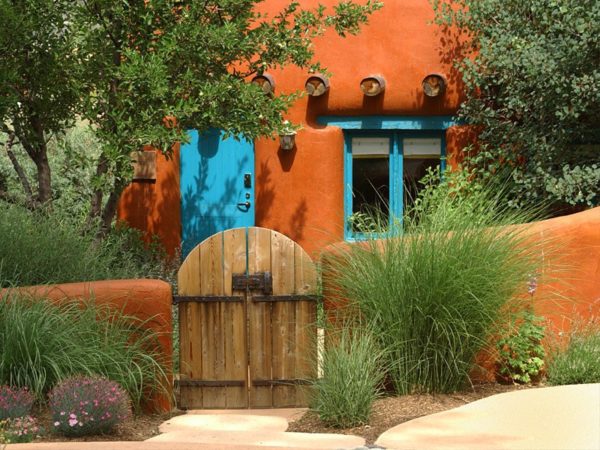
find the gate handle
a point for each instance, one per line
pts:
(246, 204)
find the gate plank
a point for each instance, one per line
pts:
(236, 354)
(305, 275)
(190, 341)
(259, 319)
(213, 350)
(284, 317)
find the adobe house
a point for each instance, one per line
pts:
(368, 133)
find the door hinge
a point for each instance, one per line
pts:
(261, 281)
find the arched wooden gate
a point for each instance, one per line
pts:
(247, 315)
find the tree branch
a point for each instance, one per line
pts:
(19, 169)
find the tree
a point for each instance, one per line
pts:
(39, 90)
(150, 69)
(532, 77)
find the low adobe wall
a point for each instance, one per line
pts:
(146, 299)
(569, 289)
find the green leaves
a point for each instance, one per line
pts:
(534, 88)
(520, 352)
(129, 67)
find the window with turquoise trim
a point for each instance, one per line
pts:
(382, 173)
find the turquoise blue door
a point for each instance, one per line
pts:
(217, 186)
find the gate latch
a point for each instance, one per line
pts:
(261, 281)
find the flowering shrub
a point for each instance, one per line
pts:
(84, 406)
(14, 402)
(20, 430)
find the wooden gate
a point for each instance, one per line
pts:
(247, 315)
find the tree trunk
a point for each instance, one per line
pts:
(44, 176)
(19, 170)
(98, 195)
(110, 210)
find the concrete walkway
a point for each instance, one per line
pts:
(565, 418)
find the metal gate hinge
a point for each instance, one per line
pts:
(261, 281)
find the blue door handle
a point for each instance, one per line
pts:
(246, 204)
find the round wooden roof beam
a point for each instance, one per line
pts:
(316, 85)
(266, 82)
(372, 85)
(434, 85)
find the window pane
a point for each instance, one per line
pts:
(422, 147)
(370, 181)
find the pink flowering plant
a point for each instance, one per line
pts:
(14, 402)
(88, 405)
(21, 429)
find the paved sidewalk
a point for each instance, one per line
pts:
(565, 418)
(562, 417)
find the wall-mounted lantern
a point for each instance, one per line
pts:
(287, 136)
(265, 82)
(434, 85)
(316, 85)
(287, 141)
(372, 85)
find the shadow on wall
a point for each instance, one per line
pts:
(266, 193)
(210, 189)
(153, 206)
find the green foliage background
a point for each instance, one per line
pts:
(531, 70)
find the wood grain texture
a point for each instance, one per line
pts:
(236, 354)
(259, 321)
(244, 341)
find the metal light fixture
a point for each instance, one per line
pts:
(287, 141)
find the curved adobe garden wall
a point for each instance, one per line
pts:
(570, 280)
(146, 299)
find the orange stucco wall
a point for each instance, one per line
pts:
(300, 193)
(149, 300)
(153, 206)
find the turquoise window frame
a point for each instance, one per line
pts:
(397, 128)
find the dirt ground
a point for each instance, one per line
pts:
(390, 411)
(387, 412)
(139, 428)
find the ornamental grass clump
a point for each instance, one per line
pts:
(578, 361)
(433, 292)
(352, 379)
(15, 402)
(43, 343)
(82, 406)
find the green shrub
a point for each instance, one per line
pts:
(520, 352)
(40, 248)
(43, 343)
(83, 406)
(579, 361)
(433, 294)
(352, 377)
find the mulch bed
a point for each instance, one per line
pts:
(139, 428)
(391, 411)
(387, 413)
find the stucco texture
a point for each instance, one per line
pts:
(300, 193)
